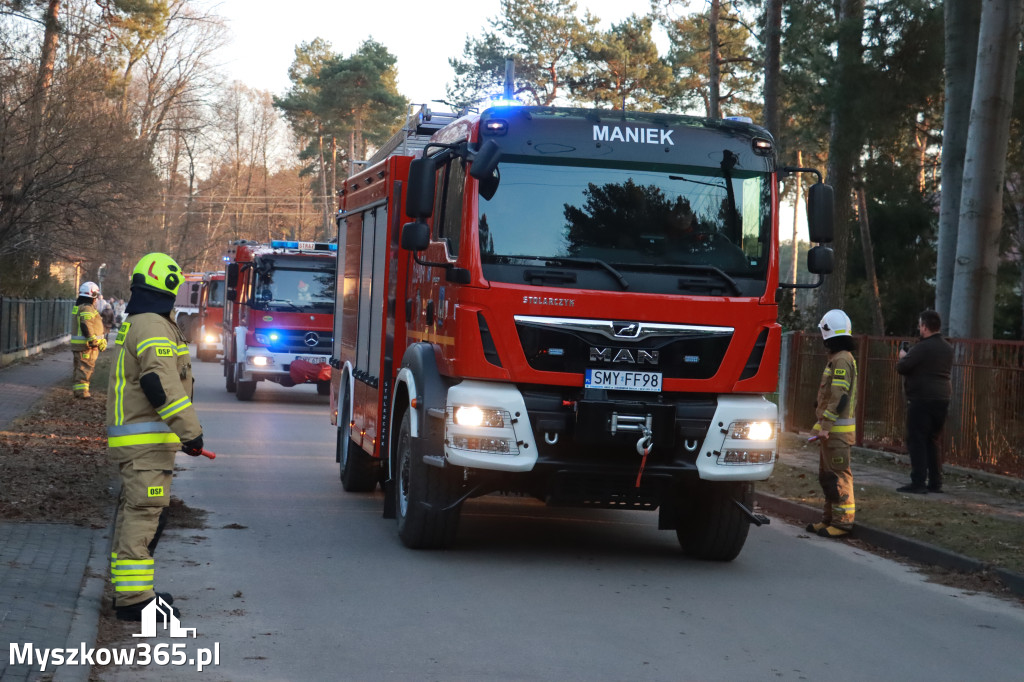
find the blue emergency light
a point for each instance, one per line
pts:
(316, 246)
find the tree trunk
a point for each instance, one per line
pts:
(772, 48)
(44, 78)
(877, 319)
(962, 18)
(714, 76)
(844, 145)
(972, 305)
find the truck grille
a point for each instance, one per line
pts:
(564, 345)
(295, 341)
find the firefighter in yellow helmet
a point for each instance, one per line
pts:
(87, 338)
(835, 408)
(149, 418)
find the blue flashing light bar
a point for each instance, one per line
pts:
(308, 246)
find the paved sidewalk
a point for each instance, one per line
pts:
(51, 574)
(24, 383)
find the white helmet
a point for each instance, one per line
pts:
(835, 323)
(90, 289)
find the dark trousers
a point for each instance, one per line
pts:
(925, 419)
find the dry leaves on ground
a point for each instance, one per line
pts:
(53, 463)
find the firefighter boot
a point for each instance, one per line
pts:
(815, 527)
(166, 596)
(833, 532)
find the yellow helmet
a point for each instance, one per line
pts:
(159, 272)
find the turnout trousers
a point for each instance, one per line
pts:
(145, 493)
(84, 364)
(836, 483)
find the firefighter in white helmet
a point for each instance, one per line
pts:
(87, 338)
(835, 408)
(149, 418)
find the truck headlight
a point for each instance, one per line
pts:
(480, 429)
(471, 415)
(744, 430)
(260, 360)
(210, 338)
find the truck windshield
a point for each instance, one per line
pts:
(215, 293)
(709, 224)
(294, 290)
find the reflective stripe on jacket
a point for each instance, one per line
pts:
(86, 328)
(150, 343)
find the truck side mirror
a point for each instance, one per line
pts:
(415, 236)
(419, 193)
(194, 298)
(232, 276)
(485, 160)
(820, 210)
(820, 260)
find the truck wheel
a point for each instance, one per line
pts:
(206, 355)
(244, 390)
(229, 377)
(359, 472)
(712, 527)
(421, 494)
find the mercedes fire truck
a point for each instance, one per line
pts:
(582, 309)
(280, 311)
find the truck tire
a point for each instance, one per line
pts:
(421, 494)
(229, 377)
(711, 526)
(244, 390)
(206, 355)
(358, 471)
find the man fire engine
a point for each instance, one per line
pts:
(583, 310)
(280, 314)
(211, 317)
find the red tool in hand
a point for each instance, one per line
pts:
(207, 453)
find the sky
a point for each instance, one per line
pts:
(422, 35)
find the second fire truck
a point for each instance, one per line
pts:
(582, 308)
(280, 310)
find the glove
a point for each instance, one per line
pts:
(102, 345)
(193, 447)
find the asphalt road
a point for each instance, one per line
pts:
(295, 579)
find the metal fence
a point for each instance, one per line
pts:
(27, 323)
(984, 428)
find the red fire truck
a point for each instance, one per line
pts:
(211, 317)
(280, 314)
(186, 305)
(583, 310)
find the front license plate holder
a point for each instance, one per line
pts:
(622, 380)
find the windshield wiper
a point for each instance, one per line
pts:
(709, 271)
(566, 260)
(283, 302)
(569, 260)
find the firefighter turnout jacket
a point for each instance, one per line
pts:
(86, 328)
(837, 398)
(149, 408)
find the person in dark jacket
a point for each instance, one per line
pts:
(926, 368)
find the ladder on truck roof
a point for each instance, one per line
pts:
(414, 135)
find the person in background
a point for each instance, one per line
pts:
(106, 314)
(150, 417)
(835, 429)
(926, 368)
(87, 338)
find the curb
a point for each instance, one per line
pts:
(915, 550)
(979, 474)
(85, 621)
